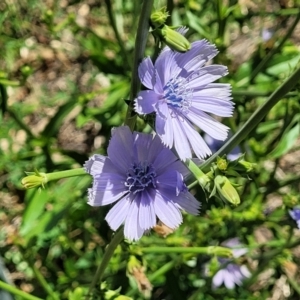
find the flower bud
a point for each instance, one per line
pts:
(78, 294)
(175, 40)
(247, 166)
(226, 190)
(220, 251)
(34, 179)
(159, 17)
(240, 167)
(222, 164)
(137, 271)
(122, 297)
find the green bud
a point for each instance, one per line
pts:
(34, 179)
(226, 191)
(213, 266)
(222, 164)
(159, 17)
(219, 251)
(203, 179)
(49, 13)
(246, 165)
(174, 39)
(240, 167)
(133, 263)
(122, 297)
(77, 294)
(26, 71)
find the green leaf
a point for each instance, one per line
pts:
(286, 143)
(34, 209)
(55, 123)
(267, 126)
(284, 67)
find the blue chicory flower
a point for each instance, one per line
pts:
(182, 94)
(144, 179)
(295, 215)
(231, 274)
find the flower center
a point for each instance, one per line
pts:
(139, 177)
(177, 93)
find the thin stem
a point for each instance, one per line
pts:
(66, 174)
(13, 290)
(161, 271)
(293, 283)
(250, 93)
(280, 12)
(211, 250)
(43, 282)
(282, 183)
(268, 57)
(20, 122)
(115, 29)
(256, 117)
(140, 45)
(221, 19)
(36, 179)
(117, 239)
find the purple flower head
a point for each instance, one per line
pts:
(144, 179)
(231, 274)
(182, 94)
(295, 215)
(267, 34)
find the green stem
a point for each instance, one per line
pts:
(221, 19)
(253, 94)
(140, 45)
(13, 290)
(117, 239)
(37, 179)
(293, 283)
(268, 57)
(202, 178)
(20, 122)
(115, 29)
(211, 250)
(65, 174)
(279, 12)
(161, 271)
(43, 282)
(256, 117)
(280, 184)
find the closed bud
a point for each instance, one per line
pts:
(78, 294)
(247, 166)
(226, 190)
(137, 271)
(220, 251)
(175, 40)
(122, 297)
(133, 263)
(34, 179)
(159, 17)
(240, 167)
(222, 164)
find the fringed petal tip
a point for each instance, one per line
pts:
(95, 164)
